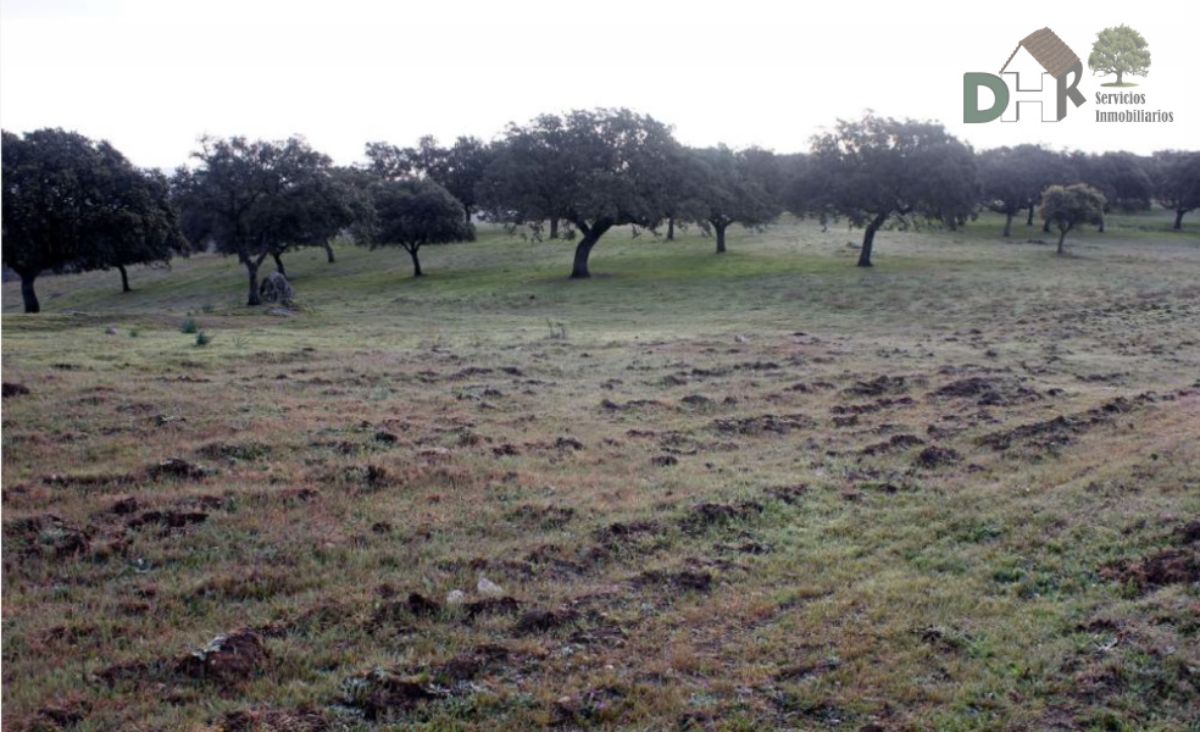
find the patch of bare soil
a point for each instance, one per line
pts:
(227, 659)
(764, 424)
(893, 444)
(879, 386)
(704, 516)
(301, 719)
(988, 391)
(935, 457)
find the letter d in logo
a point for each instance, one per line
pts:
(971, 83)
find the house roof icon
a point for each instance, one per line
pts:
(1048, 50)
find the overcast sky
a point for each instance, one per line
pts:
(153, 75)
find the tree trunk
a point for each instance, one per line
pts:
(720, 230)
(583, 250)
(254, 299)
(670, 228)
(278, 264)
(124, 279)
(1062, 235)
(1101, 228)
(28, 295)
(416, 263)
(1046, 227)
(864, 256)
(1119, 74)
(1008, 225)
(554, 228)
(1179, 219)
(329, 253)
(467, 211)
(1029, 221)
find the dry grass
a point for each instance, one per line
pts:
(956, 492)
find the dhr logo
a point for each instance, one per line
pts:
(1042, 70)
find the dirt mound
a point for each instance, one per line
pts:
(705, 515)
(764, 424)
(988, 392)
(682, 581)
(491, 606)
(470, 664)
(382, 695)
(935, 457)
(543, 517)
(12, 389)
(170, 519)
(539, 620)
(227, 659)
(1059, 431)
(789, 494)
(177, 469)
(1166, 567)
(879, 386)
(895, 443)
(49, 535)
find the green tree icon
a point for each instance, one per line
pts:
(1120, 50)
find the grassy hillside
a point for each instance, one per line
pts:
(762, 490)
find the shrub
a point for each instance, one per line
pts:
(189, 326)
(203, 339)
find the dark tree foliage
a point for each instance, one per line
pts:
(683, 177)
(1121, 176)
(388, 162)
(610, 167)
(410, 214)
(1066, 207)
(1004, 182)
(527, 182)
(771, 171)
(254, 199)
(457, 168)
(71, 205)
(728, 190)
(1177, 182)
(1043, 168)
(352, 186)
(140, 225)
(878, 168)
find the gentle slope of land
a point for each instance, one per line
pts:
(767, 489)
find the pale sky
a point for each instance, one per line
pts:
(152, 75)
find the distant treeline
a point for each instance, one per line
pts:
(73, 204)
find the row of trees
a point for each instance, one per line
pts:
(71, 204)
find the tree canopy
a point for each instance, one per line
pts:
(71, 204)
(1066, 207)
(727, 190)
(877, 168)
(1120, 50)
(254, 199)
(605, 168)
(1176, 176)
(412, 213)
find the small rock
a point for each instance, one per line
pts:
(110, 330)
(275, 288)
(486, 588)
(456, 597)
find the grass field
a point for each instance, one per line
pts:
(766, 490)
